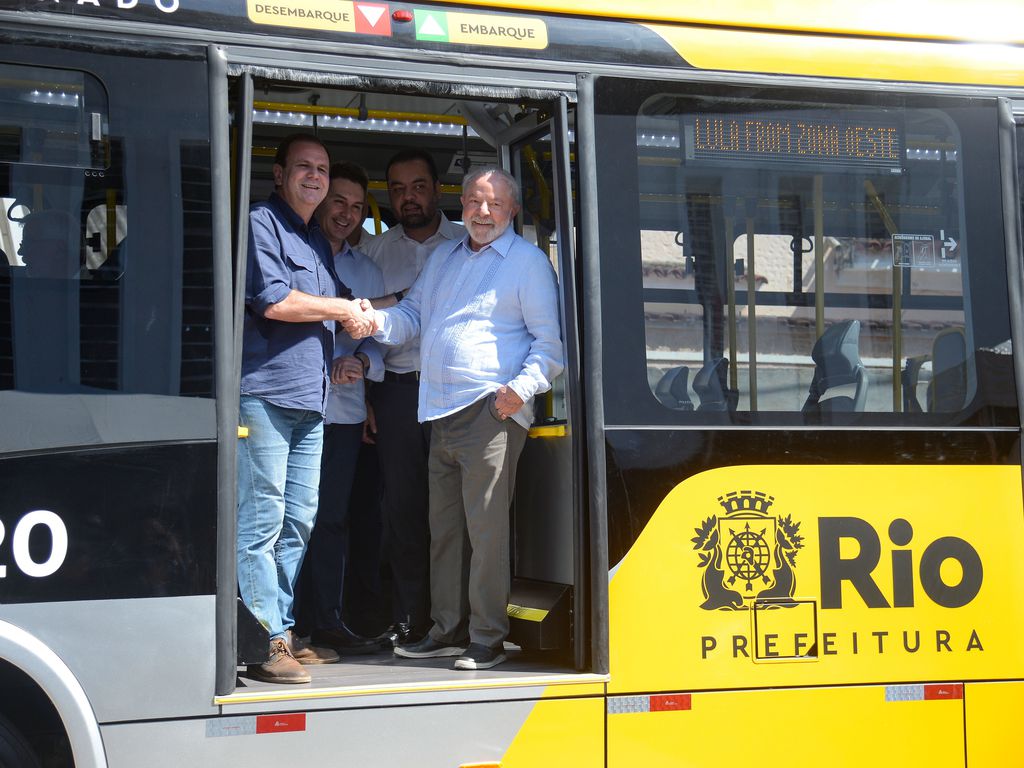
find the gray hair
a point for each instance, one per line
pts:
(493, 170)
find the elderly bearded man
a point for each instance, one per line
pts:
(486, 310)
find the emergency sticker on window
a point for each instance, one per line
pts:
(913, 250)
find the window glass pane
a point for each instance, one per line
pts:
(106, 294)
(803, 259)
(52, 117)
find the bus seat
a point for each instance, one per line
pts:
(909, 377)
(711, 386)
(947, 392)
(840, 382)
(671, 389)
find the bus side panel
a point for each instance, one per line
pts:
(840, 727)
(993, 723)
(859, 575)
(515, 733)
(560, 732)
(136, 659)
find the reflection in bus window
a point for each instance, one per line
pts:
(85, 309)
(764, 228)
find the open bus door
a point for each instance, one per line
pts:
(548, 602)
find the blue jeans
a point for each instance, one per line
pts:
(278, 487)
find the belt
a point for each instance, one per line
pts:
(412, 377)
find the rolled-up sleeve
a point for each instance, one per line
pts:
(538, 297)
(268, 277)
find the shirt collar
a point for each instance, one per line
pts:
(449, 230)
(346, 250)
(284, 210)
(445, 230)
(501, 246)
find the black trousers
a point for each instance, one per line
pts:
(322, 578)
(367, 605)
(402, 446)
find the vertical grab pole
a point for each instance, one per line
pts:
(897, 299)
(897, 337)
(751, 307)
(730, 289)
(819, 256)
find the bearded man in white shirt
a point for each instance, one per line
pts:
(486, 310)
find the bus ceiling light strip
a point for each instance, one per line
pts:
(52, 98)
(340, 122)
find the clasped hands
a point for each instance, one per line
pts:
(358, 318)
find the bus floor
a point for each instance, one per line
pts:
(384, 673)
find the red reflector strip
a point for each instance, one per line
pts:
(671, 703)
(944, 691)
(281, 723)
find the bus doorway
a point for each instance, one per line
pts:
(529, 138)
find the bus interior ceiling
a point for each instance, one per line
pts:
(369, 127)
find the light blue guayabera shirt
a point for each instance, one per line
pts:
(346, 403)
(485, 319)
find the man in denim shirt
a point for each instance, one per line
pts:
(292, 306)
(486, 309)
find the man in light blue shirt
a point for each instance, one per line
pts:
(322, 578)
(486, 309)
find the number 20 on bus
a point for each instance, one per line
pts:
(21, 536)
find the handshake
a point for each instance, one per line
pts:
(358, 318)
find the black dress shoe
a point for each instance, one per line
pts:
(345, 641)
(401, 633)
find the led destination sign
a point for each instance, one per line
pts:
(804, 139)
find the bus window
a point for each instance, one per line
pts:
(809, 259)
(52, 117)
(103, 210)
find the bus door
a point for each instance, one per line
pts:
(548, 588)
(519, 706)
(531, 140)
(814, 483)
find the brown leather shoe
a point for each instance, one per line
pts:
(281, 667)
(304, 653)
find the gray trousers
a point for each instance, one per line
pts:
(471, 472)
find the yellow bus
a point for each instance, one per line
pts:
(773, 509)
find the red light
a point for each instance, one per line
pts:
(944, 691)
(293, 721)
(670, 703)
(402, 15)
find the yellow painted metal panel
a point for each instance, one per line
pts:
(583, 684)
(559, 733)
(902, 622)
(994, 736)
(989, 20)
(806, 728)
(745, 51)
